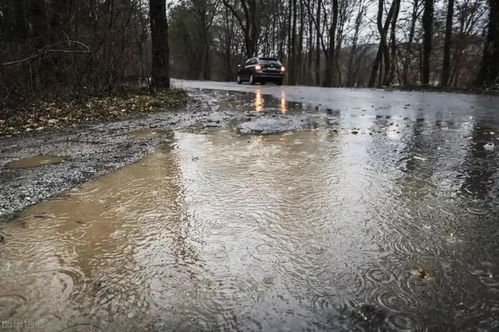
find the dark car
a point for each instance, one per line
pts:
(261, 70)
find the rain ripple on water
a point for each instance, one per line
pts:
(310, 230)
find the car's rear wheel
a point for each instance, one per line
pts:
(279, 82)
(262, 82)
(252, 79)
(238, 79)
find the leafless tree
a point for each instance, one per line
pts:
(90, 45)
(160, 51)
(447, 44)
(489, 70)
(427, 40)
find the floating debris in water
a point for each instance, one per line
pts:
(419, 158)
(421, 274)
(268, 280)
(489, 146)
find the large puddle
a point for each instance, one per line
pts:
(36, 161)
(316, 229)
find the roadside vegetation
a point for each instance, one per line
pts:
(64, 63)
(62, 112)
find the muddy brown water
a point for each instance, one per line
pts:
(148, 133)
(390, 228)
(36, 161)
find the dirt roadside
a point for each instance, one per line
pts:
(89, 151)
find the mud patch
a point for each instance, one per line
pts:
(148, 133)
(35, 161)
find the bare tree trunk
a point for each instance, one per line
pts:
(448, 36)
(353, 53)
(160, 50)
(489, 69)
(38, 14)
(59, 19)
(310, 77)
(318, 45)
(21, 28)
(292, 44)
(206, 62)
(253, 26)
(340, 26)
(383, 47)
(407, 58)
(299, 50)
(228, 46)
(382, 44)
(330, 55)
(392, 64)
(248, 23)
(427, 40)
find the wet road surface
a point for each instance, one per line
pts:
(375, 101)
(38, 165)
(296, 216)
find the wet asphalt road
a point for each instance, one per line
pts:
(454, 106)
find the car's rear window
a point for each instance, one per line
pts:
(272, 62)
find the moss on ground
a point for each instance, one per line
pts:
(66, 112)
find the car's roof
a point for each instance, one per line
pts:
(263, 58)
(269, 59)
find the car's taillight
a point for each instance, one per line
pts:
(283, 69)
(258, 68)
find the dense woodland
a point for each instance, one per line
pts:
(99, 45)
(341, 43)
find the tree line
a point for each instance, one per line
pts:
(84, 46)
(341, 43)
(99, 45)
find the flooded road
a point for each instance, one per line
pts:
(371, 219)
